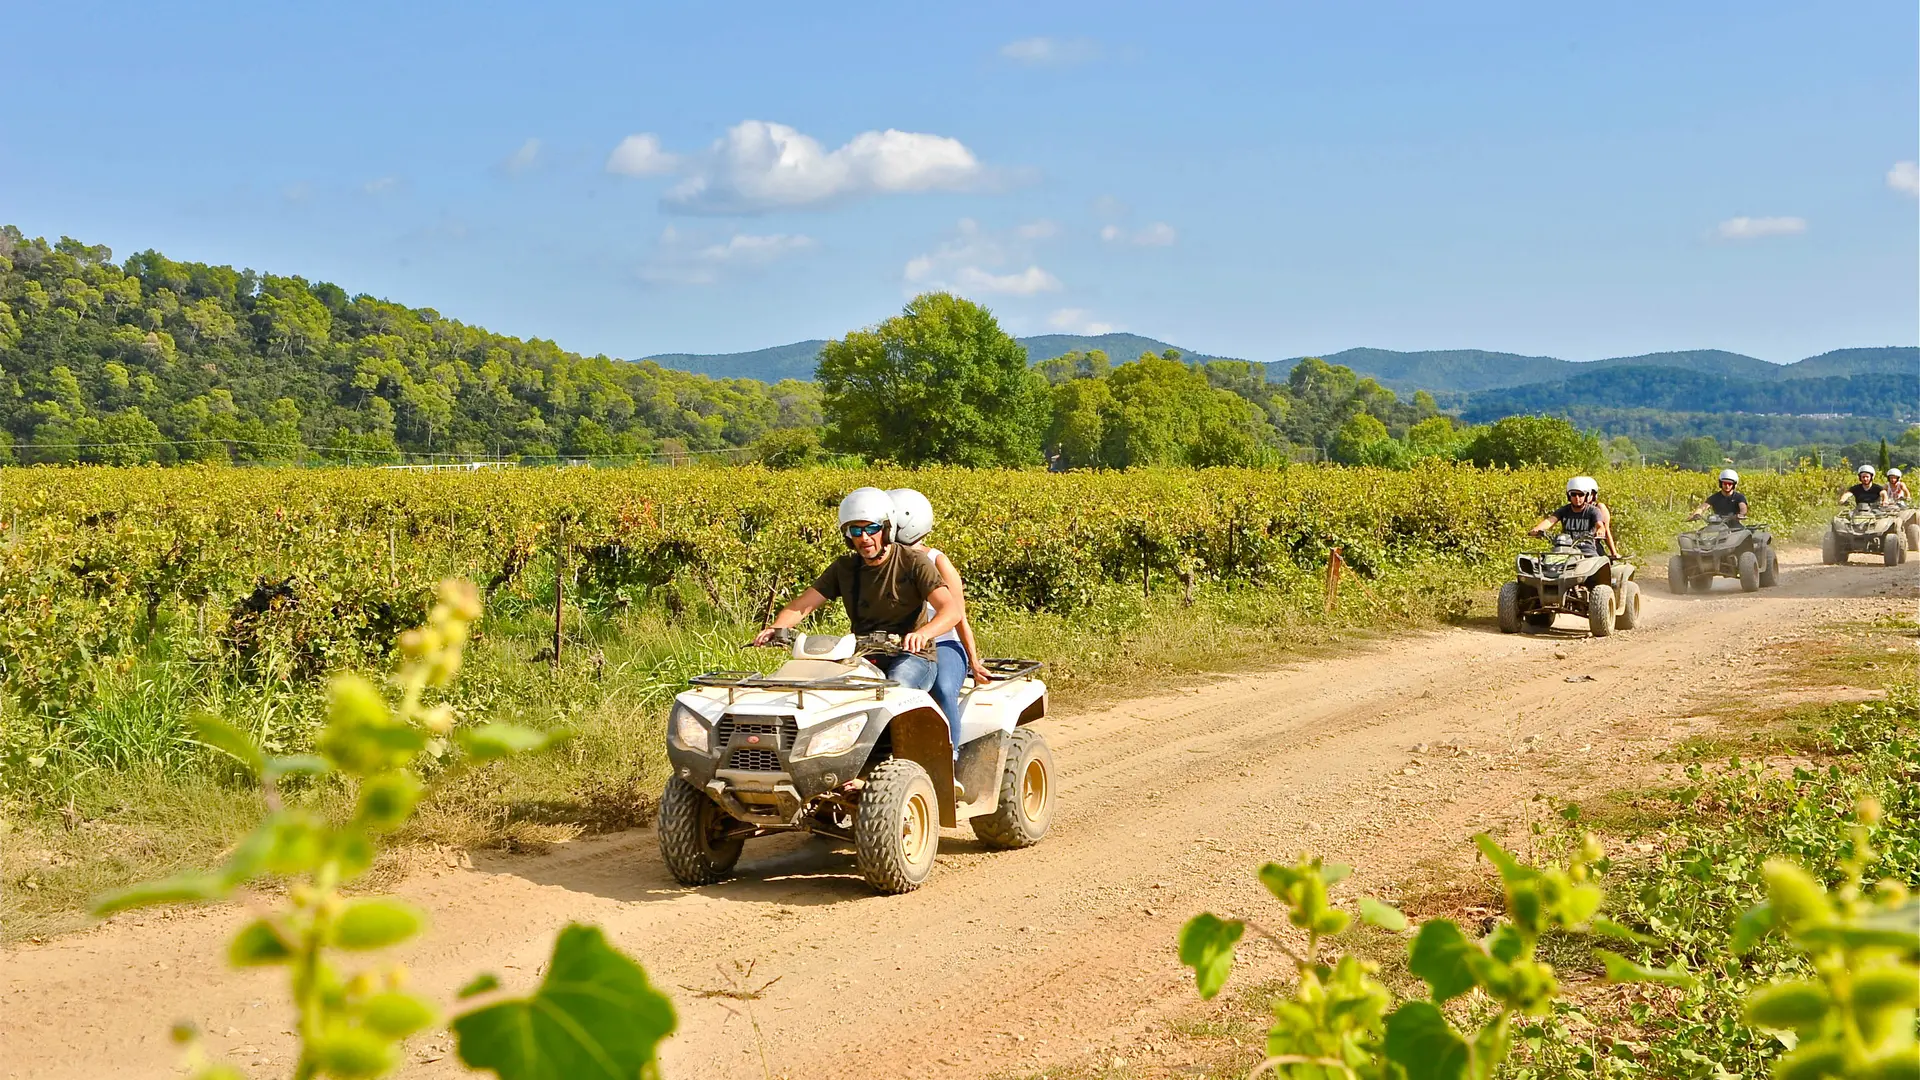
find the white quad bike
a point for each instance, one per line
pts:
(828, 744)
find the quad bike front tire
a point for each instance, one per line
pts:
(689, 828)
(1830, 552)
(1893, 550)
(1629, 605)
(1749, 572)
(1508, 608)
(897, 830)
(1600, 613)
(1913, 536)
(1769, 568)
(1677, 575)
(1026, 795)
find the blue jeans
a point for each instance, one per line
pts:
(951, 672)
(913, 672)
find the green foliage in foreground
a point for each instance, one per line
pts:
(594, 1013)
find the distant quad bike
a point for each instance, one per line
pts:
(828, 744)
(1886, 531)
(1569, 581)
(1724, 547)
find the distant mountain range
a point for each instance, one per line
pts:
(1447, 371)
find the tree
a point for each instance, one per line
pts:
(1350, 445)
(938, 383)
(1535, 440)
(1885, 460)
(1699, 452)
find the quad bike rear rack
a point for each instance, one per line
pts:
(1006, 669)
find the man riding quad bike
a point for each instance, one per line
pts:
(1726, 546)
(844, 739)
(1869, 525)
(1582, 574)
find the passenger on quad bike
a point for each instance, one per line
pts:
(1727, 502)
(956, 653)
(1897, 488)
(1866, 492)
(1579, 519)
(886, 587)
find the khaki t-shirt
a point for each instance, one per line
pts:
(891, 595)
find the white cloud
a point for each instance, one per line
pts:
(381, 186)
(1752, 228)
(1904, 176)
(759, 166)
(1028, 282)
(977, 261)
(1158, 234)
(1042, 229)
(1077, 321)
(684, 260)
(641, 155)
(524, 158)
(1051, 52)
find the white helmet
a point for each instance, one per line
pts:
(868, 504)
(1893, 474)
(1584, 484)
(1868, 469)
(912, 515)
(1729, 474)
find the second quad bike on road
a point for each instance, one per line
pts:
(828, 744)
(1572, 580)
(1875, 530)
(1724, 547)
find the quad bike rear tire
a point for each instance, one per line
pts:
(1508, 608)
(1677, 575)
(1913, 536)
(1749, 572)
(1830, 551)
(687, 826)
(1893, 550)
(1769, 568)
(1600, 615)
(1026, 795)
(897, 830)
(1629, 605)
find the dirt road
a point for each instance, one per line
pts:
(1005, 962)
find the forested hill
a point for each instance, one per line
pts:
(160, 360)
(796, 361)
(1882, 395)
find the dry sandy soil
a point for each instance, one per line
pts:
(1006, 962)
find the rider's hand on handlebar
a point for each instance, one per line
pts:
(1536, 532)
(765, 636)
(1695, 516)
(915, 642)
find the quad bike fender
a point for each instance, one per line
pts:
(1000, 706)
(920, 735)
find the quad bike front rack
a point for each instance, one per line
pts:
(752, 680)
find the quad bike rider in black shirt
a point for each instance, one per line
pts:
(1866, 492)
(1728, 502)
(1581, 518)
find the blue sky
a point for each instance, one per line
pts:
(1263, 180)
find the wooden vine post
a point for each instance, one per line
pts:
(1334, 565)
(559, 587)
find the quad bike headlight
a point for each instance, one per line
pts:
(689, 732)
(837, 737)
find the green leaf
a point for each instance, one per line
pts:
(394, 1014)
(1443, 957)
(354, 849)
(376, 924)
(1793, 1005)
(1490, 1048)
(1754, 923)
(1333, 872)
(1622, 970)
(490, 741)
(352, 1053)
(178, 889)
(387, 800)
(297, 765)
(1887, 988)
(1509, 867)
(1206, 946)
(211, 731)
(1796, 897)
(1606, 927)
(1505, 943)
(1420, 1040)
(258, 943)
(1381, 915)
(480, 984)
(594, 1016)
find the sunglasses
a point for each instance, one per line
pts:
(854, 532)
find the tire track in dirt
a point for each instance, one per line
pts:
(1005, 960)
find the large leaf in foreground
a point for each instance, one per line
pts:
(595, 1015)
